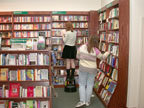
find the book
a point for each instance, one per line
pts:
(29, 104)
(30, 91)
(38, 91)
(14, 89)
(15, 104)
(30, 74)
(41, 41)
(3, 74)
(44, 104)
(13, 75)
(44, 74)
(29, 44)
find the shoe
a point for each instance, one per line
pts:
(92, 95)
(87, 103)
(79, 104)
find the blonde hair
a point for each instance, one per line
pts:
(93, 41)
(69, 26)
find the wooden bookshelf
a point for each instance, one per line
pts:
(80, 22)
(119, 96)
(25, 24)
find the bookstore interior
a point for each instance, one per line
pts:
(31, 46)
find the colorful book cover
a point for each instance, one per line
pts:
(29, 74)
(3, 74)
(30, 91)
(14, 89)
(29, 104)
(41, 41)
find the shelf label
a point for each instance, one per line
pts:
(20, 12)
(109, 5)
(18, 40)
(59, 12)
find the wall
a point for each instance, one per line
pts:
(49, 5)
(135, 86)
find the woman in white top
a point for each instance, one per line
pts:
(69, 51)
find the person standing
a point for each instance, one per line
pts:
(69, 51)
(87, 54)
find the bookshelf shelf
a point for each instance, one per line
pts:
(23, 99)
(41, 81)
(32, 22)
(35, 30)
(27, 67)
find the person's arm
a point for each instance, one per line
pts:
(78, 53)
(100, 55)
(63, 32)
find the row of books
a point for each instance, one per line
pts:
(32, 19)
(5, 19)
(26, 104)
(6, 34)
(31, 26)
(112, 37)
(102, 16)
(57, 48)
(5, 42)
(113, 24)
(114, 13)
(23, 74)
(24, 59)
(16, 90)
(31, 34)
(113, 61)
(57, 40)
(113, 49)
(5, 27)
(69, 18)
(75, 25)
(109, 71)
(103, 36)
(81, 40)
(102, 26)
(103, 46)
(106, 82)
(58, 32)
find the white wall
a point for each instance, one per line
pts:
(105, 2)
(135, 86)
(49, 5)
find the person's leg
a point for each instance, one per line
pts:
(82, 87)
(72, 62)
(90, 84)
(68, 68)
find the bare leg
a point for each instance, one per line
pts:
(72, 68)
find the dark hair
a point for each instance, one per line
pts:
(69, 26)
(93, 41)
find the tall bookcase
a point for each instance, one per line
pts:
(25, 77)
(112, 77)
(6, 28)
(80, 21)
